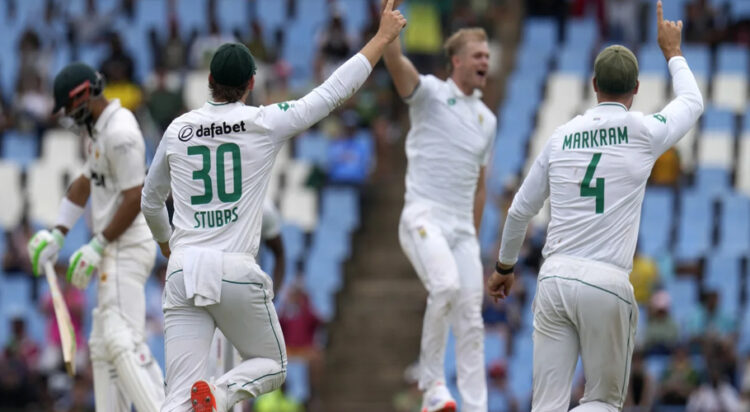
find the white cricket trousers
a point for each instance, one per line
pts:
(587, 308)
(247, 318)
(125, 373)
(444, 251)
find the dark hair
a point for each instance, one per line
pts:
(229, 94)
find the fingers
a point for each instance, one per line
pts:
(679, 24)
(659, 12)
(388, 6)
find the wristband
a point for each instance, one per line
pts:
(68, 213)
(504, 271)
(99, 243)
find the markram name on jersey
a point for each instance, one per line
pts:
(595, 138)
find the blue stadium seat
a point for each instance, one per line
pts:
(323, 273)
(732, 59)
(716, 119)
(699, 59)
(233, 15)
(297, 380)
(494, 347)
(722, 273)
(684, 292)
(312, 146)
(16, 293)
(488, 230)
(294, 242)
(540, 32)
(152, 13)
(712, 182)
(582, 33)
(271, 14)
(656, 221)
(323, 303)
(746, 122)
(192, 14)
(655, 366)
(651, 60)
(450, 357)
(739, 10)
(734, 226)
(340, 208)
(532, 60)
(694, 226)
(20, 148)
(78, 236)
(574, 60)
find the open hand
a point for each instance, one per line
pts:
(391, 21)
(668, 34)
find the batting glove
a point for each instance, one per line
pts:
(85, 261)
(43, 247)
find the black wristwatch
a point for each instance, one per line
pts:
(504, 271)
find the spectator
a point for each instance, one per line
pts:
(118, 71)
(679, 380)
(20, 346)
(709, 321)
(334, 47)
(173, 53)
(644, 277)
(203, 47)
(622, 21)
(350, 154)
(300, 324)
(164, 104)
(32, 57)
(498, 390)
(703, 24)
(667, 169)
(714, 395)
(662, 332)
(16, 257)
(640, 388)
(33, 104)
(90, 27)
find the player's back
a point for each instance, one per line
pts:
(220, 159)
(598, 166)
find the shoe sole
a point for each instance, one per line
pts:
(202, 398)
(449, 406)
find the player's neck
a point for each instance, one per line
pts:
(465, 88)
(626, 100)
(97, 107)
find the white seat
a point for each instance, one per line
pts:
(299, 203)
(686, 149)
(715, 150)
(730, 91)
(565, 89)
(12, 201)
(743, 167)
(196, 92)
(62, 148)
(45, 188)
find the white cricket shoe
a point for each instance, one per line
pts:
(205, 397)
(438, 399)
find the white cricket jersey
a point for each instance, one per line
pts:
(450, 139)
(594, 170)
(217, 161)
(115, 161)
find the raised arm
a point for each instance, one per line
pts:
(670, 125)
(287, 119)
(404, 74)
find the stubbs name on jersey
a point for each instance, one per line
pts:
(595, 138)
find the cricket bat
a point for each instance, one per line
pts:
(64, 325)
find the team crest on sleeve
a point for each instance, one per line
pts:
(422, 232)
(660, 117)
(284, 106)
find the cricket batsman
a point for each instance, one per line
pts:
(121, 253)
(594, 170)
(216, 161)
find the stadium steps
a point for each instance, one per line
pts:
(376, 332)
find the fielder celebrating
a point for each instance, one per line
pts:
(447, 148)
(121, 251)
(217, 160)
(594, 170)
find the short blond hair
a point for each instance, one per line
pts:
(458, 40)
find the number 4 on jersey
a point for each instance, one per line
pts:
(596, 191)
